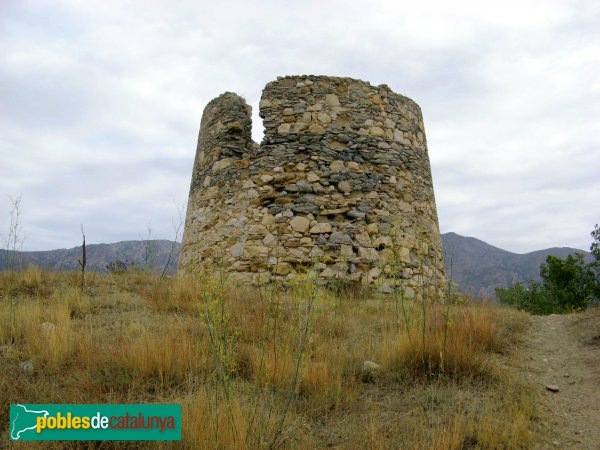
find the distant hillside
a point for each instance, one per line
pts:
(154, 253)
(479, 268)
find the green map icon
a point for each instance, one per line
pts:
(24, 420)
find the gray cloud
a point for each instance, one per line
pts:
(101, 104)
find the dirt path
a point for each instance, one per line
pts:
(564, 350)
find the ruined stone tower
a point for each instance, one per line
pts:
(341, 184)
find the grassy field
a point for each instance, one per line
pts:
(264, 368)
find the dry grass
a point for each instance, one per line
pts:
(455, 342)
(262, 368)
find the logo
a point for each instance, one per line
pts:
(95, 422)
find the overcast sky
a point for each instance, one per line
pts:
(100, 104)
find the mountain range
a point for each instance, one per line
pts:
(476, 266)
(147, 254)
(479, 268)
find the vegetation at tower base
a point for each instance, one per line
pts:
(341, 185)
(568, 284)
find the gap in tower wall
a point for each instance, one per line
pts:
(258, 129)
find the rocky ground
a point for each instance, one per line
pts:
(563, 352)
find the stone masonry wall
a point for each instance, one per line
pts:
(341, 184)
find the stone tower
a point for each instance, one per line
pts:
(341, 184)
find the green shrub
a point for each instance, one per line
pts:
(532, 298)
(567, 285)
(570, 281)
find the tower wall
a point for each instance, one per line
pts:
(341, 184)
